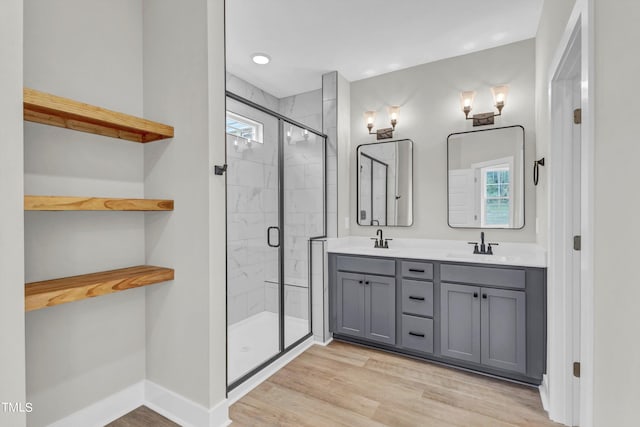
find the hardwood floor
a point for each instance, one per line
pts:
(142, 417)
(348, 385)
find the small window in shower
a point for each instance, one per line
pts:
(245, 128)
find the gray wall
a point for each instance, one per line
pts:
(80, 353)
(430, 110)
(12, 355)
(184, 86)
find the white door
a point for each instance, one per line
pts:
(462, 198)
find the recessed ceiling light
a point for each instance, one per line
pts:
(260, 58)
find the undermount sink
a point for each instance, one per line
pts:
(483, 257)
(378, 251)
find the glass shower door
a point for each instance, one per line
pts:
(253, 239)
(303, 218)
(275, 206)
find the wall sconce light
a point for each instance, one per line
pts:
(304, 133)
(483, 119)
(386, 133)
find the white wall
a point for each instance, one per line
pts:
(79, 353)
(430, 110)
(616, 226)
(12, 355)
(184, 86)
(553, 21)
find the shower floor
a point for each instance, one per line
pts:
(254, 340)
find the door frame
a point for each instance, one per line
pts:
(557, 389)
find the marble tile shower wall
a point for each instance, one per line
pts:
(330, 128)
(252, 194)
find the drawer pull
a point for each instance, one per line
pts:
(416, 334)
(416, 270)
(417, 298)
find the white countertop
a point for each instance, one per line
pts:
(515, 254)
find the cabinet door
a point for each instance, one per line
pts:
(504, 329)
(350, 305)
(460, 322)
(380, 309)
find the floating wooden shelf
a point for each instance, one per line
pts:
(48, 293)
(54, 110)
(64, 203)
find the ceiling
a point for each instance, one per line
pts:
(360, 39)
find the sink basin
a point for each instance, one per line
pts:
(377, 251)
(484, 258)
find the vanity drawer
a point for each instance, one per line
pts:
(417, 333)
(417, 270)
(417, 297)
(385, 267)
(503, 277)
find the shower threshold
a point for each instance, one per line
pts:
(254, 340)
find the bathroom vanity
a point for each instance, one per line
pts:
(433, 301)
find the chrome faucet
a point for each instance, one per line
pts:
(484, 249)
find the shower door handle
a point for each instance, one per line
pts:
(269, 236)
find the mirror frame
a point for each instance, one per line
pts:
(358, 184)
(524, 181)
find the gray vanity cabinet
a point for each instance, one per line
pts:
(488, 318)
(366, 306)
(484, 325)
(460, 322)
(380, 309)
(350, 305)
(503, 331)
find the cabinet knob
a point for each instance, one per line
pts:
(366, 283)
(475, 295)
(484, 296)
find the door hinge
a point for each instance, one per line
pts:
(576, 369)
(577, 243)
(577, 116)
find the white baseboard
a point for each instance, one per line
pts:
(177, 408)
(253, 382)
(318, 341)
(544, 393)
(106, 410)
(184, 411)
(169, 404)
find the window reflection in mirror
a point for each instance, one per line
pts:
(385, 184)
(486, 178)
